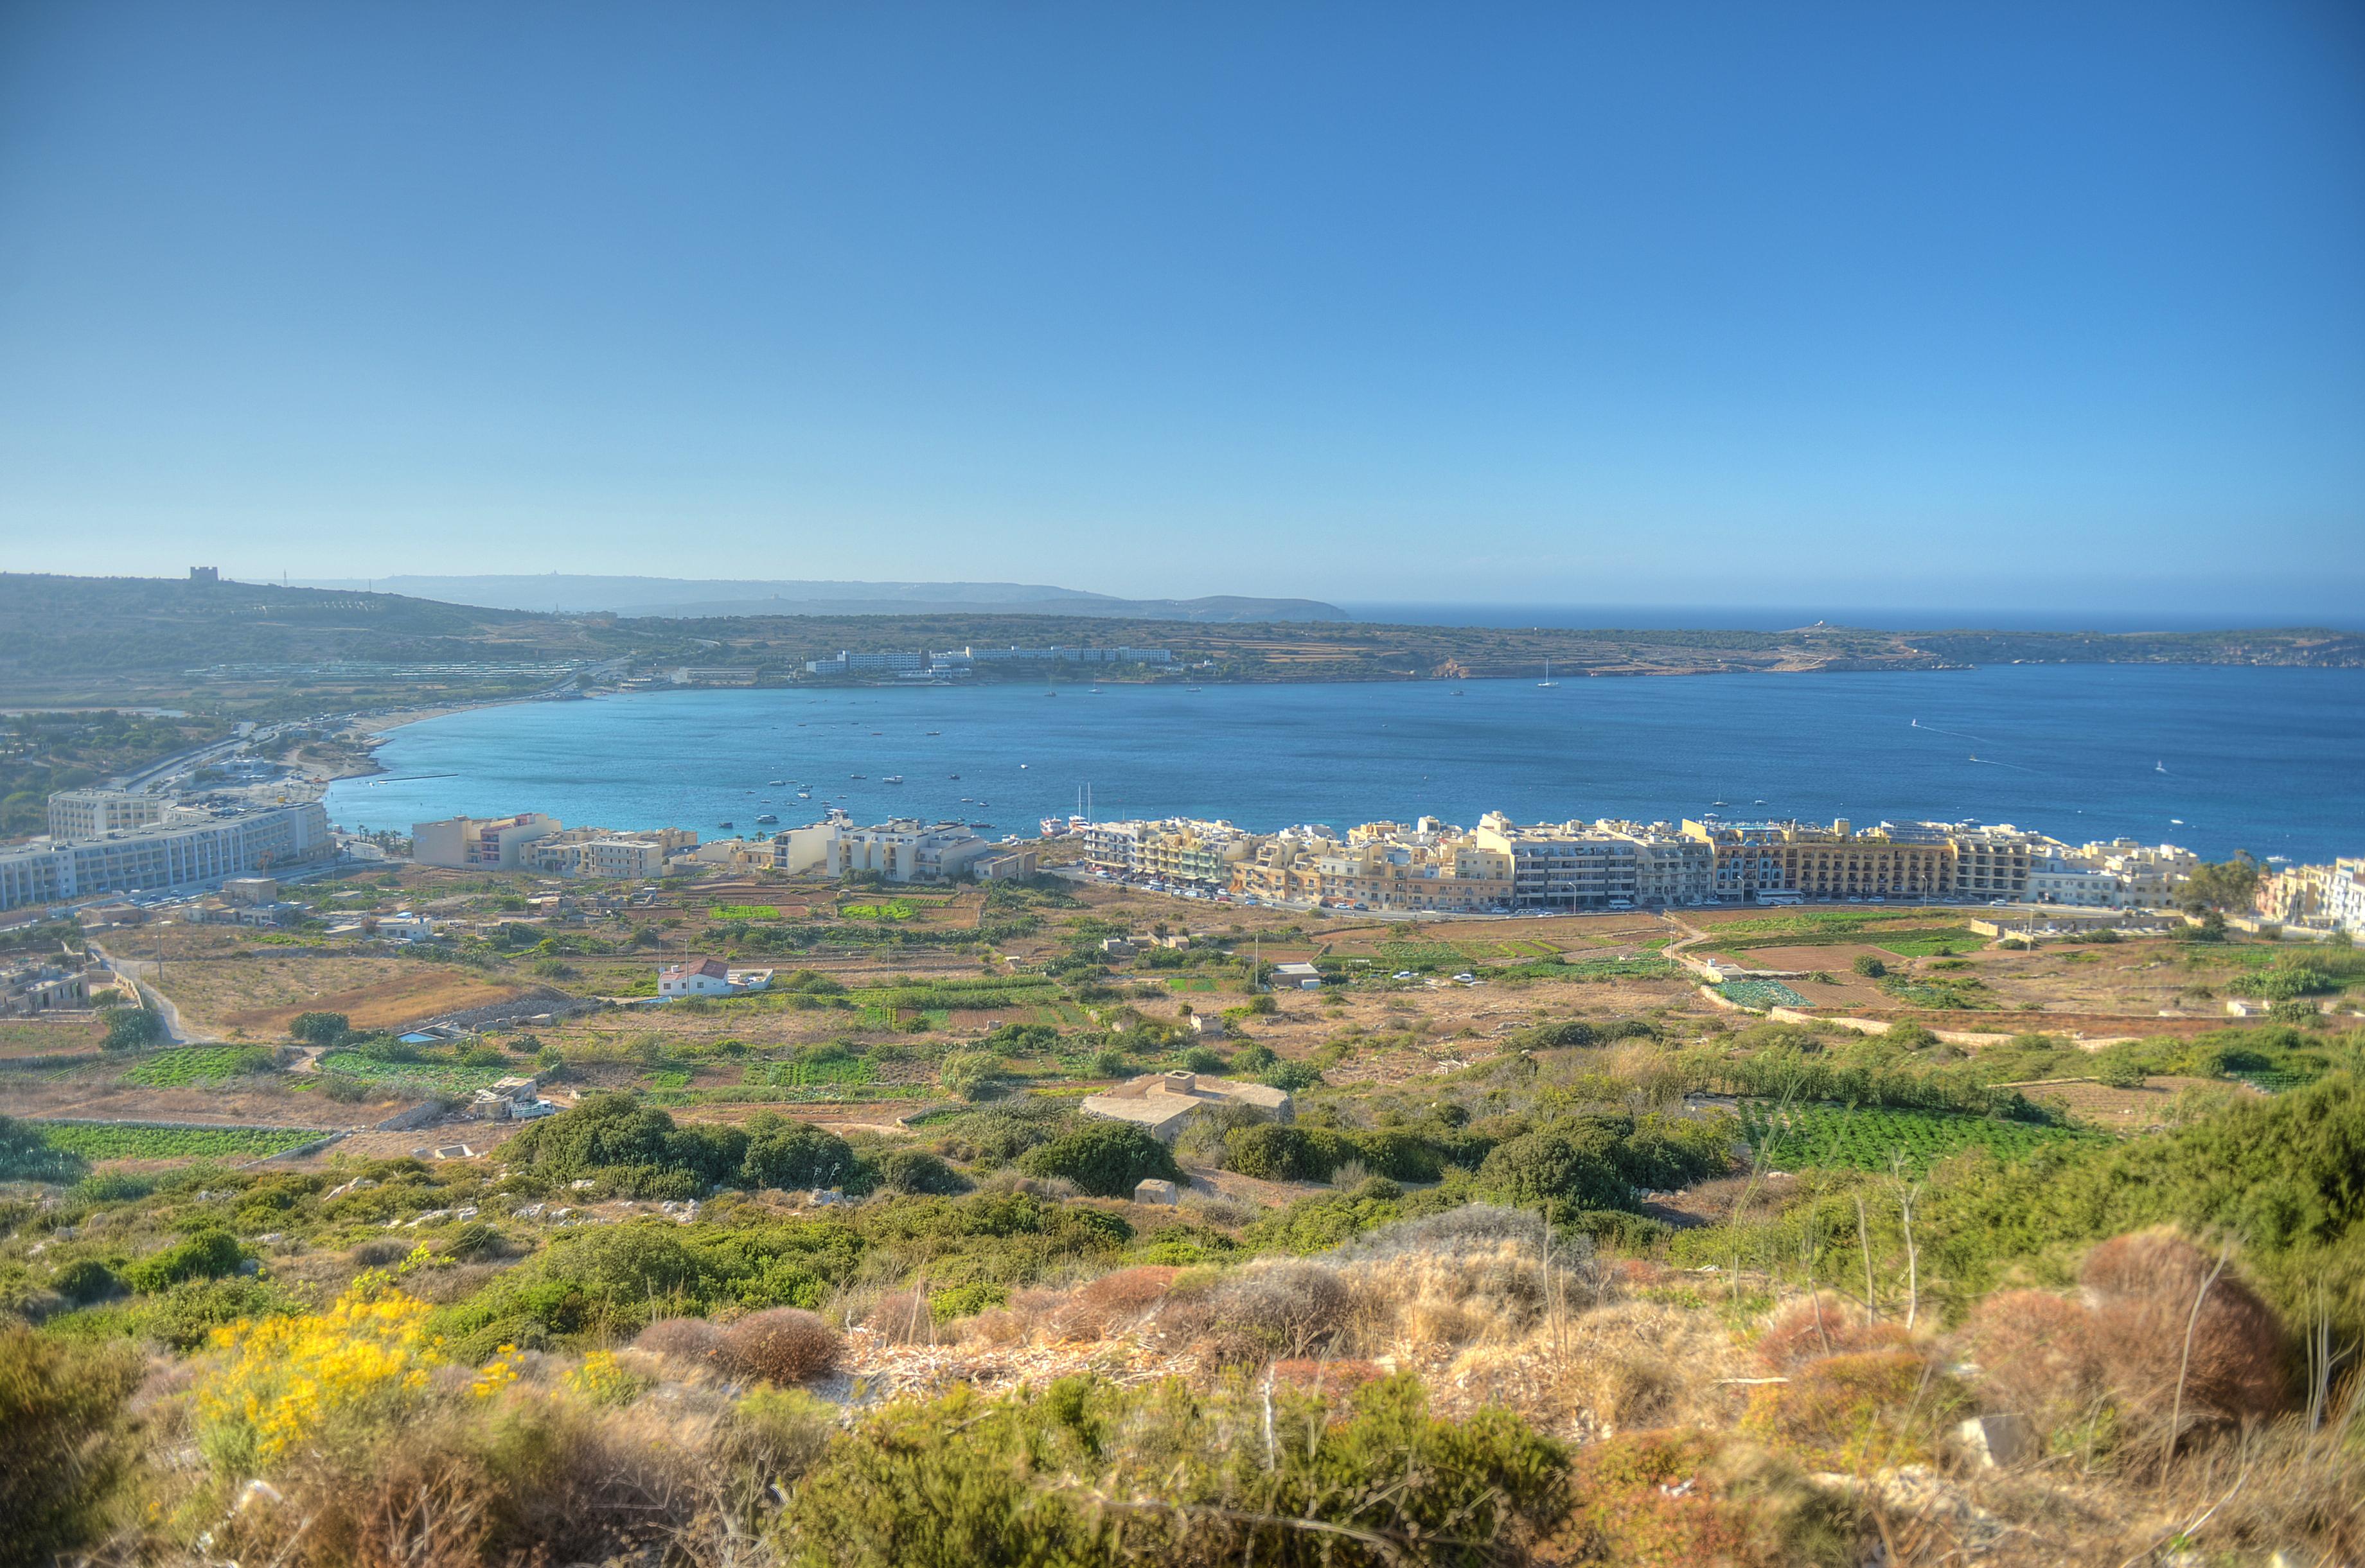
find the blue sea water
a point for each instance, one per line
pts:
(2266, 759)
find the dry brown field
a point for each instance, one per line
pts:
(47, 1037)
(257, 996)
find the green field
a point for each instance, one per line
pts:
(842, 1073)
(744, 912)
(1873, 1139)
(199, 1064)
(1761, 993)
(138, 1142)
(438, 1074)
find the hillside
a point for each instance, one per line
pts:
(631, 596)
(263, 647)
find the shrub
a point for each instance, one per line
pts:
(285, 1377)
(321, 1028)
(1107, 1159)
(781, 1346)
(971, 1075)
(2037, 1357)
(1272, 1152)
(1292, 1076)
(693, 1341)
(133, 1028)
(206, 1254)
(964, 1482)
(1857, 1412)
(2144, 1290)
(25, 1156)
(86, 1280)
(1823, 1325)
(1276, 1309)
(1199, 1058)
(917, 1170)
(59, 1406)
(1565, 1170)
(785, 1152)
(1654, 1499)
(1869, 966)
(1114, 1301)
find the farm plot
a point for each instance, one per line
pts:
(200, 1064)
(1760, 993)
(457, 1077)
(260, 996)
(1878, 1139)
(131, 1140)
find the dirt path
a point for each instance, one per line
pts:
(137, 971)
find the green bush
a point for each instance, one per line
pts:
(1869, 966)
(1563, 1168)
(969, 1075)
(27, 1156)
(1029, 1479)
(61, 1405)
(917, 1170)
(1272, 1152)
(784, 1152)
(1107, 1159)
(133, 1028)
(205, 1254)
(1292, 1076)
(321, 1028)
(1199, 1059)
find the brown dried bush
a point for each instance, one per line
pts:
(1114, 1301)
(783, 1345)
(1824, 1325)
(1857, 1412)
(2142, 1290)
(1267, 1311)
(2036, 1356)
(690, 1343)
(901, 1318)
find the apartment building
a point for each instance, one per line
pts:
(2054, 879)
(191, 850)
(1992, 862)
(1892, 860)
(479, 844)
(1200, 853)
(1570, 864)
(90, 814)
(2329, 897)
(907, 851)
(1114, 846)
(592, 853)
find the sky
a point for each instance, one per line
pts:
(2039, 306)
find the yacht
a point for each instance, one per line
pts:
(778, 782)
(854, 776)
(766, 817)
(893, 778)
(725, 822)
(1548, 681)
(953, 777)
(936, 732)
(804, 794)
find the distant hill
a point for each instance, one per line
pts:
(690, 598)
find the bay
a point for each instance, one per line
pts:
(2271, 760)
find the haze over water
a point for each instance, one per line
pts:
(2266, 759)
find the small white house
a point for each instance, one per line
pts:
(1304, 977)
(707, 977)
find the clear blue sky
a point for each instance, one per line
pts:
(1920, 304)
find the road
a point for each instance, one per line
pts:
(138, 972)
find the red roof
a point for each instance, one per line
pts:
(714, 966)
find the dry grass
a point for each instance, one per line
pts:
(691, 1344)
(1821, 1325)
(259, 996)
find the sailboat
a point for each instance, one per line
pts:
(1548, 681)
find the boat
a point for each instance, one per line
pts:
(854, 776)
(1189, 688)
(1719, 802)
(1022, 767)
(804, 794)
(983, 828)
(893, 778)
(766, 817)
(725, 822)
(953, 777)
(1548, 681)
(1757, 802)
(936, 732)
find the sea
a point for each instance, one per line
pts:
(2212, 758)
